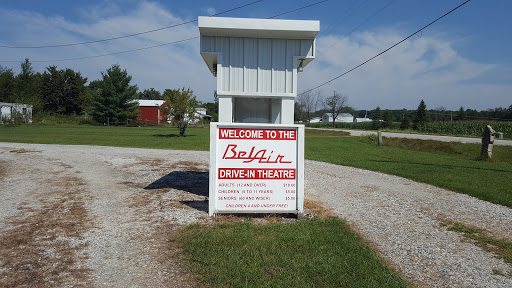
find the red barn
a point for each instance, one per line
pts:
(149, 112)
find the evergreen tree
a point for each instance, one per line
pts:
(27, 87)
(421, 116)
(461, 115)
(113, 97)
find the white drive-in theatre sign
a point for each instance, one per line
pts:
(257, 168)
(256, 150)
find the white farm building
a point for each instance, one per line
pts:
(342, 117)
(8, 112)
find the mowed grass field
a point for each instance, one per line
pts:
(449, 165)
(157, 137)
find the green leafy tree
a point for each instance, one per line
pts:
(421, 116)
(7, 85)
(212, 109)
(440, 114)
(180, 105)
(113, 97)
(406, 123)
(377, 118)
(149, 94)
(387, 119)
(63, 91)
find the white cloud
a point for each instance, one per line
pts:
(170, 66)
(211, 11)
(428, 68)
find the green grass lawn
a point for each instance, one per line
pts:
(450, 165)
(454, 167)
(159, 137)
(324, 253)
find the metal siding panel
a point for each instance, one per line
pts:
(250, 65)
(224, 48)
(306, 48)
(278, 65)
(236, 81)
(264, 65)
(218, 44)
(292, 50)
(208, 44)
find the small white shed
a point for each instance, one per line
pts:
(7, 111)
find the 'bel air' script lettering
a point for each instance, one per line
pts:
(249, 156)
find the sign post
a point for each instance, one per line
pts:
(256, 150)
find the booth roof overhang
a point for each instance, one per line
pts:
(258, 28)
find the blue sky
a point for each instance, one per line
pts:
(464, 59)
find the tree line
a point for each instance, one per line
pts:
(106, 100)
(310, 105)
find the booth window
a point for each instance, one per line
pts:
(252, 110)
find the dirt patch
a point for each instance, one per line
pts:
(22, 151)
(190, 166)
(317, 210)
(43, 247)
(4, 166)
(155, 164)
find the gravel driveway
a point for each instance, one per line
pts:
(106, 217)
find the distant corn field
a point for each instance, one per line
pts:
(459, 128)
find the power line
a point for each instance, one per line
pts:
(150, 47)
(366, 20)
(372, 16)
(110, 54)
(391, 47)
(294, 10)
(125, 36)
(342, 19)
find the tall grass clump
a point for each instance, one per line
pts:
(52, 119)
